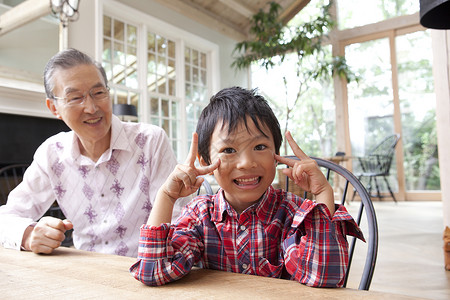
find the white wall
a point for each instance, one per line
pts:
(441, 72)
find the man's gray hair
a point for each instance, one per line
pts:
(67, 59)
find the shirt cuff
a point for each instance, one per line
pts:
(12, 236)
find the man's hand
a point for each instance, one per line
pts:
(46, 235)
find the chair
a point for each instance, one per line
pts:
(378, 164)
(10, 177)
(348, 181)
(205, 186)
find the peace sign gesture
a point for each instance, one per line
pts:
(185, 180)
(306, 174)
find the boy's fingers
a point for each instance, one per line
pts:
(287, 161)
(208, 169)
(190, 160)
(297, 150)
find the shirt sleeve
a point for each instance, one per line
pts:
(166, 253)
(316, 248)
(26, 204)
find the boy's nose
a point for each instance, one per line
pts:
(246, 161)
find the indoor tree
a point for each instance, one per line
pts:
(272, 41)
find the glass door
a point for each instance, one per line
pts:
(371, 100)
(418, 111)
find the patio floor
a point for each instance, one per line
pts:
(410, 255)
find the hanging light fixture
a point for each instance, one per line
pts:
(126, 112)
(435, 14)
(65, 10)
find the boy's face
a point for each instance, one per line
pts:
(247, 163)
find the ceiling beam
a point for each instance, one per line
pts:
(22, 14)
(197, 13)
(239, 8)
(289, 12)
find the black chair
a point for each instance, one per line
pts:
(338, 175)
(378, 164)
(10, 177)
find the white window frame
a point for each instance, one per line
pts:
(181, 38)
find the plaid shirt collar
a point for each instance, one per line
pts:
(264, 208)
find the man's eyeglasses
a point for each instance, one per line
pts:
(98, 94)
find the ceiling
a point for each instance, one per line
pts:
(231, 17)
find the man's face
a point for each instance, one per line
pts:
(91, 121)
(247, 163)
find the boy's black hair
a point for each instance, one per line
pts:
(231, 106)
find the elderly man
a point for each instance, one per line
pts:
(104, 174)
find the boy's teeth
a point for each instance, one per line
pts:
(247, 179)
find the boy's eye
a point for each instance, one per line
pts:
(228, 150)
(260, 147)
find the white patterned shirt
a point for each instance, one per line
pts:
(107, 201)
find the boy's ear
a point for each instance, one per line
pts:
(201, 161)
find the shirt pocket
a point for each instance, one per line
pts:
(267, 269)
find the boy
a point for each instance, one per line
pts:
(248, 226)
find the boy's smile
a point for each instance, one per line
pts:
(247, 163)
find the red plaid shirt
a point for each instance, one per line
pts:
(281, 236)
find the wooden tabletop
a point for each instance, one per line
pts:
(74, 274)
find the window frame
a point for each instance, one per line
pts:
(182, 39)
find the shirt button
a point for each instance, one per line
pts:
(244, 266)
(103, 195)
(106, 243)
(242, 227)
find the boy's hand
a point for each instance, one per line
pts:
(185, 180)
(182, 182)
(307, 175)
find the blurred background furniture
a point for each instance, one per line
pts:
(377, 163)
(10, 177)
(367, 221)
(126, 112)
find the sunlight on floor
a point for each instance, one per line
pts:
(410, 255)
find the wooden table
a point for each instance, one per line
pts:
(74, 274)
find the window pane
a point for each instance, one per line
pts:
(131, 35)
(151, 40)
(154, 106)
(171, 49)
(119, 29)
(418, 108)
(106, 26)
(370, 102)
(165, 108)
(358, 13)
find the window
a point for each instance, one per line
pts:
(418, 111)
(396, 94)
(165, 72)
(120, 60)
(358, 13)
